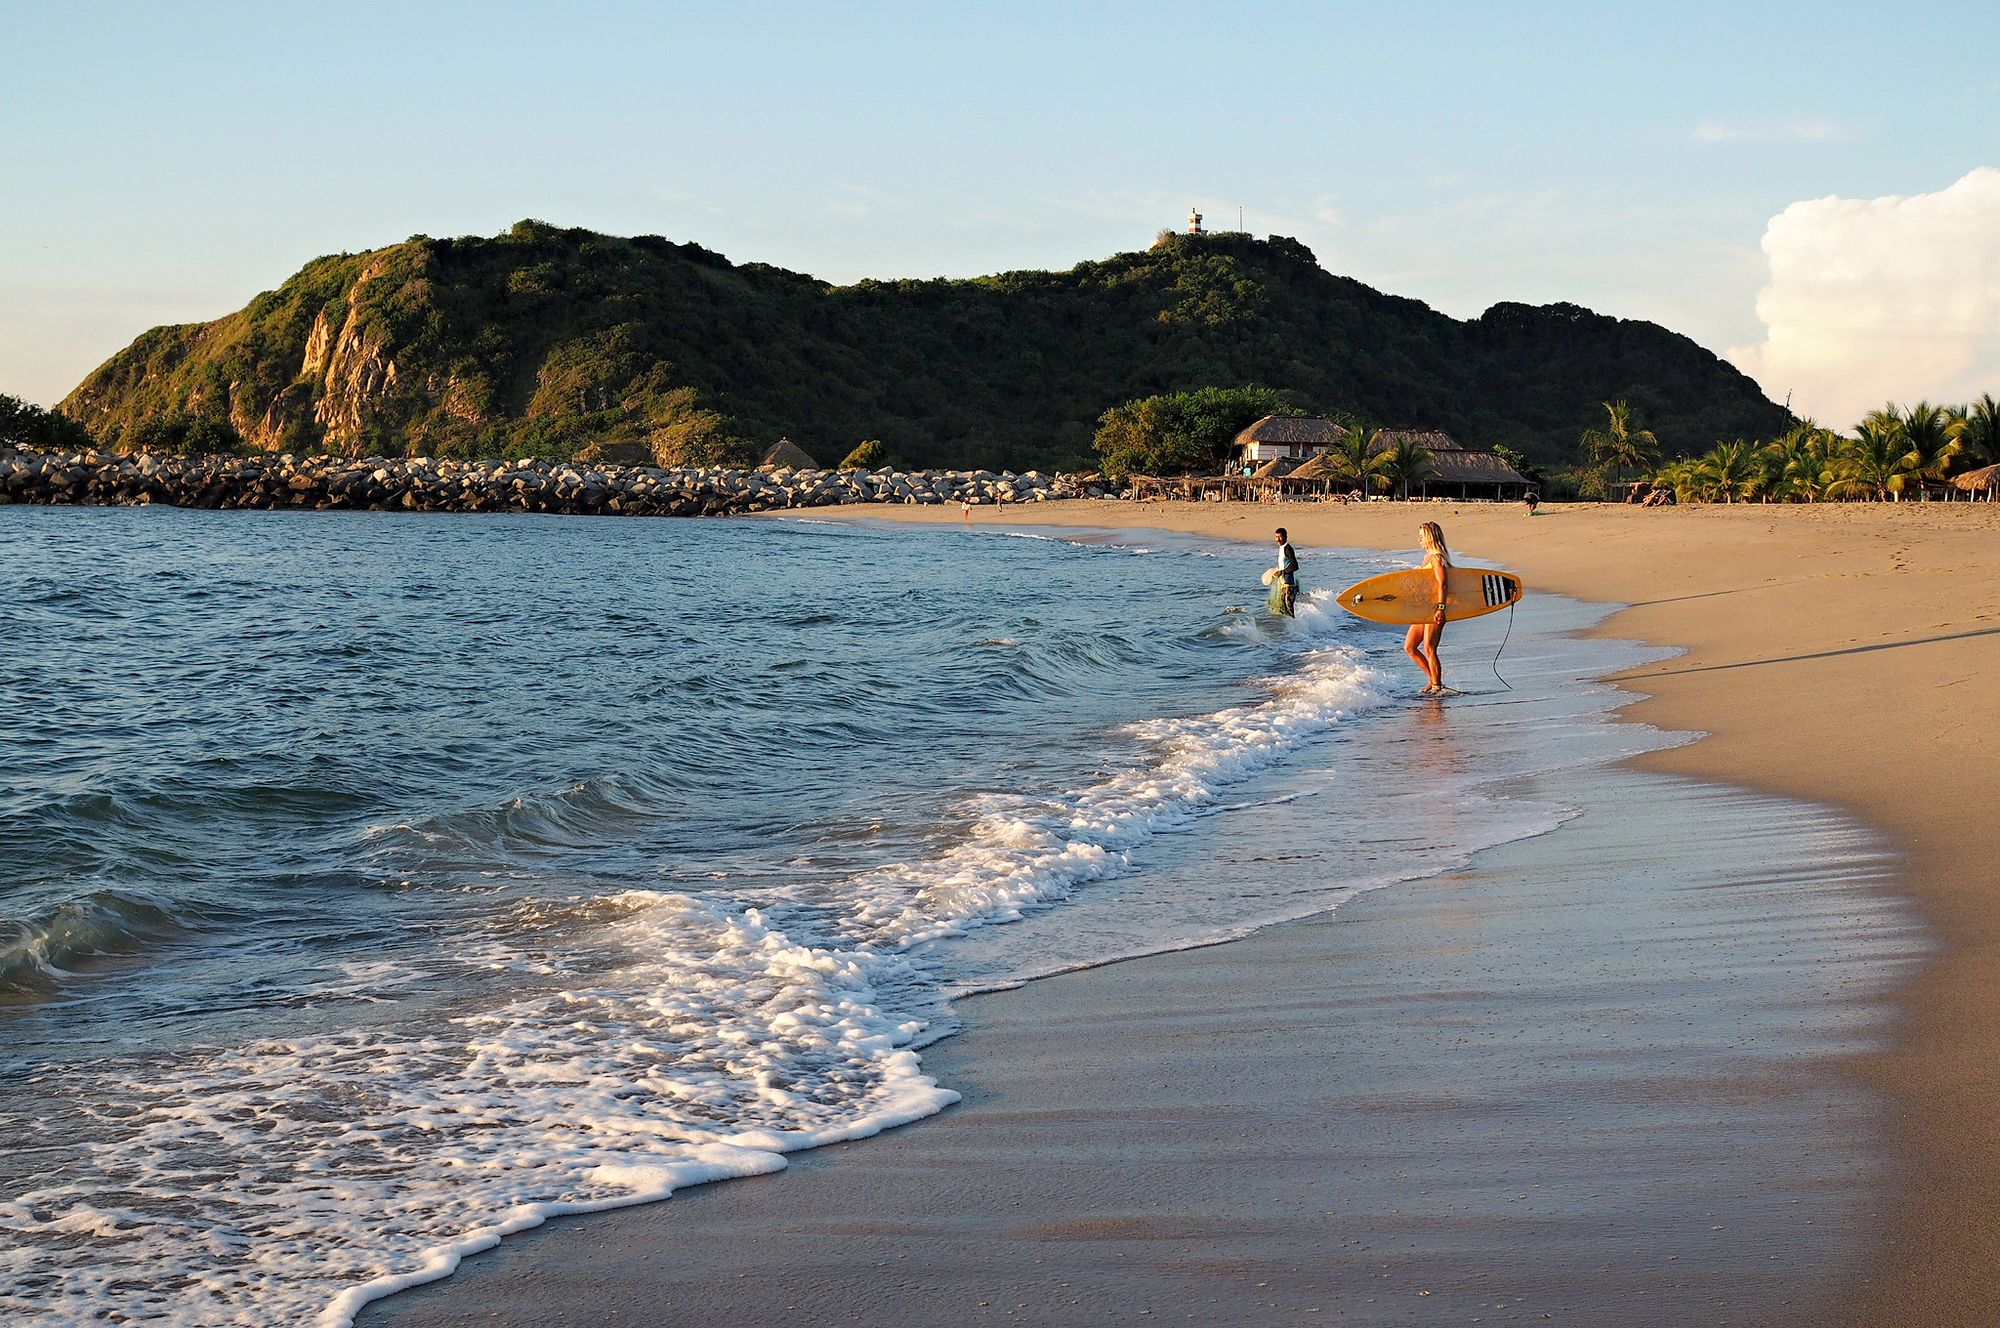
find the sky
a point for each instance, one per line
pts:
(1811, 190)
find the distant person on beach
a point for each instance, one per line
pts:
(968, 511)
(1288, 573)
(1533, 500)
(1421, 644)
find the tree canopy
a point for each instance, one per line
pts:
(1895, 452)
(867, 455)
(24, 424)
(1360, 459)
(188, 435)
(1621, 445)
(1176, 433)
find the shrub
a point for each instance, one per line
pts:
(870, 455)
(184, 435)
(24, 424)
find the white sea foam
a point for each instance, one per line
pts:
(290, 1182)
(1075, 542)
(1023, 853)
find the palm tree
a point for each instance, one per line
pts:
(1405, 462)
(1683, 476)
(1356, 458)
(1734, 470)
(1804, 460)
(1770, 472)
(1875, 462)
(1926, 431)
(1977, 431)
(1622, 445)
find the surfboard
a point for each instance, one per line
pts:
(1410, 596)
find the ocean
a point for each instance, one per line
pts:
(372, 886)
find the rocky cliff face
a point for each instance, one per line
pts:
(546, 342)
(351, 372)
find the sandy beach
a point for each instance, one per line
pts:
(1836, 653)
(1833, 655)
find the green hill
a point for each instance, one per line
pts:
(543, 341)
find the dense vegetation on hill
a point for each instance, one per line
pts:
(546, 341)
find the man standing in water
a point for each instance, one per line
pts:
(1288, 573)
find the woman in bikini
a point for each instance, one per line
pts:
(1421, 644)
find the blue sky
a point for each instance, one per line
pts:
(165, 163)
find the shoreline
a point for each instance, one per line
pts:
(1509, 1120)
(637, 1239)
(1833, 655)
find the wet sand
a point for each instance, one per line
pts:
(1599, 1077)
(1585, 1081)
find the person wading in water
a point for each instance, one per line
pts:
(1288, 573)
(1421, 644)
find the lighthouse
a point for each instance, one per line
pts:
(1194, 221)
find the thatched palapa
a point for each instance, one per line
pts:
(1318, 468)
(787, 455)
(1436, 440)
(1457, 470)
(1985, 480)
(1274, 436)
(1468, 467)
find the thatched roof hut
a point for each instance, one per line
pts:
(1289, 452)
(1317, 468)
(1984, 480)
(1467, 467)
(1294, 436)
(786, 454)
(1437, 440)
(1309, 430)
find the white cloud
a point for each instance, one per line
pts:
(1794, 131)
(1877, 299)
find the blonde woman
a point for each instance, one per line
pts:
(1421, 644)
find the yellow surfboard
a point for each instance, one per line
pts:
(1410, 596)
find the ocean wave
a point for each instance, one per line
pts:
(581, 815)
(654, 884)
(725, 1037)
(38, 952)
(1023, 853)
(1104, 543)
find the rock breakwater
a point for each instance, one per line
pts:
(422, 484)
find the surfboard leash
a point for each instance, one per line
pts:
(1508, 634)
